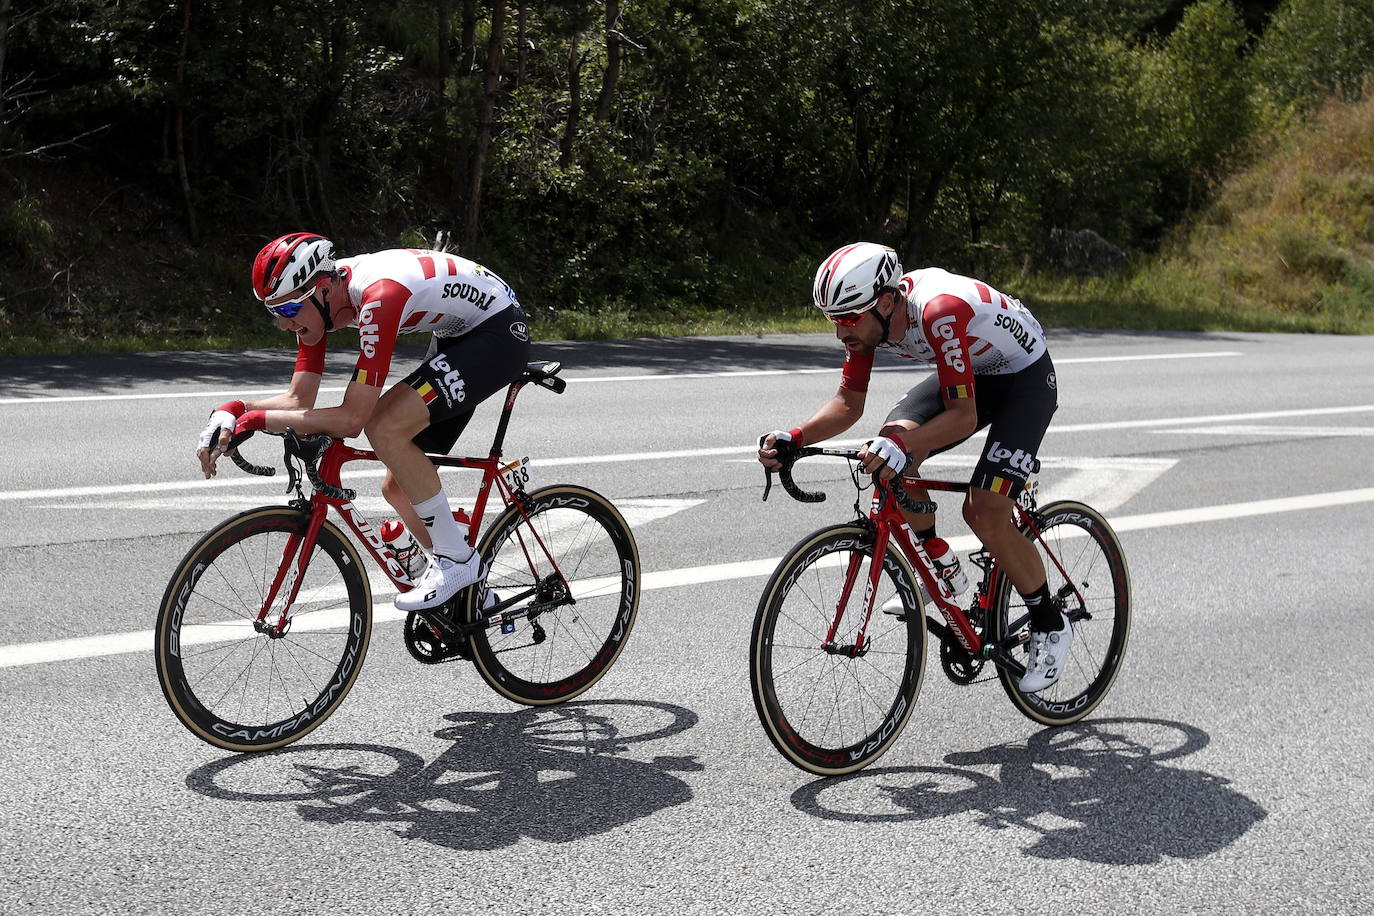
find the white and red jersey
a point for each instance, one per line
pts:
(410, 291)
(963, 326)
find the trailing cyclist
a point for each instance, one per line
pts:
(479, 344)
(992, 369)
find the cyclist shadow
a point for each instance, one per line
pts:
(555, 774)
(1094, 791)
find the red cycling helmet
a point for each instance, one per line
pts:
(287, 268)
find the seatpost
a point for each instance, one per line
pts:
(500, 438)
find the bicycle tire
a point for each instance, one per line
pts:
(794, 614)
(293, 682)
(560, 651)
(1098, 568)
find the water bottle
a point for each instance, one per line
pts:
(405, 548)
(946, 565)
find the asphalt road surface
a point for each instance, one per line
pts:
(1227, 771)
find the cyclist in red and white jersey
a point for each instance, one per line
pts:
(479, 344)
(992, 369)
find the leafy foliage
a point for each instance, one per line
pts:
(619, 157)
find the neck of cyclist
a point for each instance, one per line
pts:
(331, 299)
(885, 319)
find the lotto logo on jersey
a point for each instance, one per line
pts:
(1019, 460)
(453, 382)
(950, 348)
(368, 336)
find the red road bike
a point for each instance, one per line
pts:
(835, 679)
(265, 623)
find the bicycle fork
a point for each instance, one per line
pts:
(294, 558)
(859, 647)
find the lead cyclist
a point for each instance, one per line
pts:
(479, 344)
(992, 369)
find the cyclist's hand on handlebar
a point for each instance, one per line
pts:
(769, 444)
(883, 455)
(215, 437)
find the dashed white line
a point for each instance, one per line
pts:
(573, 378)
(142, 640)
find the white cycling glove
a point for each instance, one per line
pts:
(779, 435)
(892, 453)
(792, 436)
(223, 417)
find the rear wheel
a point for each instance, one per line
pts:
(235, 685)
(563, 579)
(833, 709)
(1095, 595)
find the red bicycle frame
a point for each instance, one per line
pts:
(890, 525)
(299, 547)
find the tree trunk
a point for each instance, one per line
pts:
(4, 43)
(521, 18)
(565, 146)
(486, 117)
(441, 120)
(611, 75)
(179, 125)
(336, 56)
(444, 52)
(468, 39)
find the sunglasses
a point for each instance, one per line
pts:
(286, 309)
(289, 309)
(850, 319)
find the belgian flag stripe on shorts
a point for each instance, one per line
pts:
(1001, 485)
(955, 392)
(427, 392)
(363, 377)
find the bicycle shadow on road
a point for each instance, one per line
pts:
(1095, 791)
(555, 774)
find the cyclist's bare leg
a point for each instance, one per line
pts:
(917, 521)
(989, 515)
(410, 478)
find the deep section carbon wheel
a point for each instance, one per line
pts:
(244, 687)
(560, 596)
(1089, 581)
(832, 708)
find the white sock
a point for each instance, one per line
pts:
(448, 539)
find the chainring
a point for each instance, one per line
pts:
(426, 646)
(958, 665)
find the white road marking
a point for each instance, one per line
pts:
(536, 463)
(1213, 418)
(1299, 432)
(253, 390)
(142, 640)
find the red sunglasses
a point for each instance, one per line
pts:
(849, 319)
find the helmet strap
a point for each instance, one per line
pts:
(323, 308)
(885, 321)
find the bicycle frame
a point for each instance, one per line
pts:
(298, 549)
(891, 526)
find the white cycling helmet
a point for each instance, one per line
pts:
(852, 278)
(288, 267)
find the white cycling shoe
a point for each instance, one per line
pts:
(894, 606)
(1046, 656)
(442, 579)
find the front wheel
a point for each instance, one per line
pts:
(239, 686)
(833, 708)
(560, 597)
(1092, 586)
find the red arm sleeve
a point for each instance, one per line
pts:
(857, 369)
(311, 359)
(945, 323)
(378, 323)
